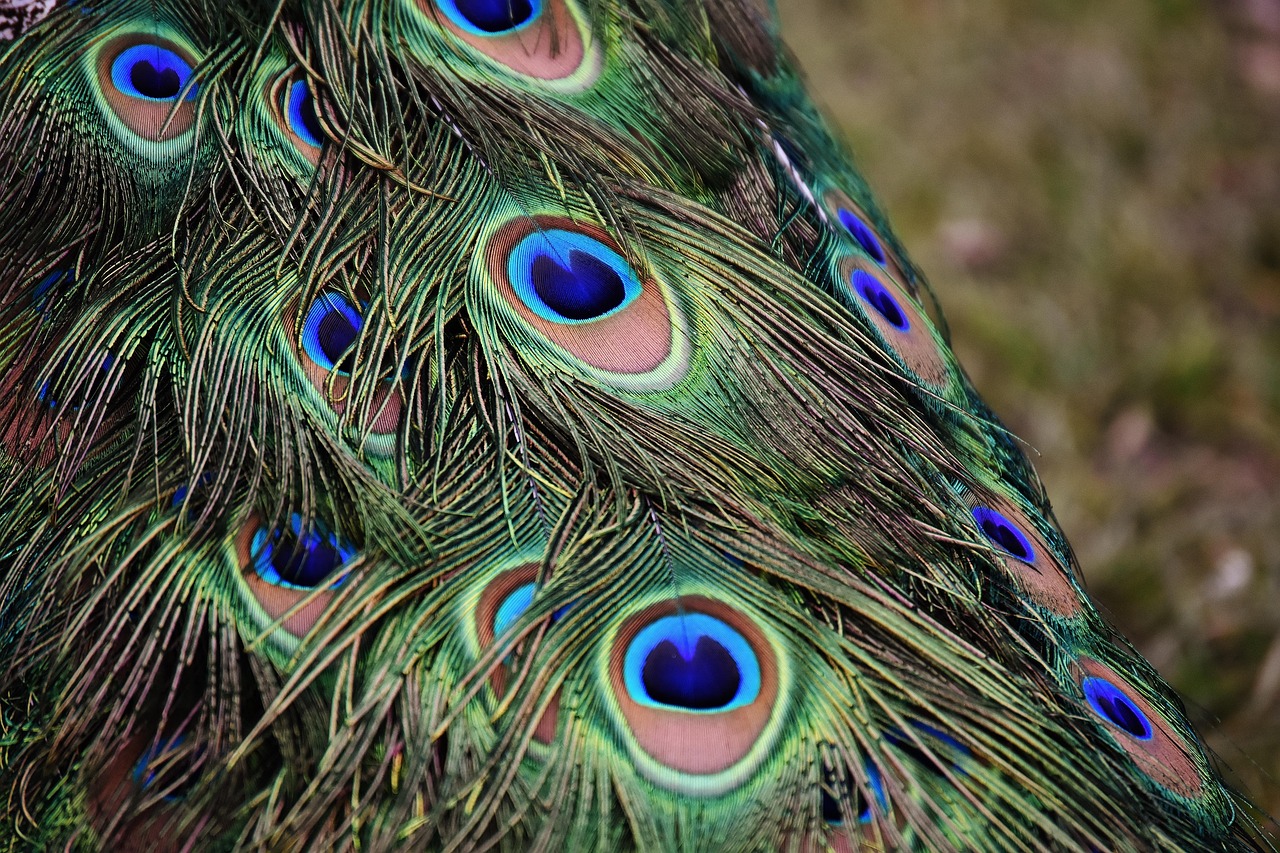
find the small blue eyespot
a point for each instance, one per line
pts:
(692, 662)
(1110, 702)
(300, 110)
(491, 17)
(295, 558)
(40, 294)
(144, 774)
(880, 299)
(567, 277)
(1004, 534)
(330, 329)
(180, 493)
(151, 73)
(861, 232)
(831, 806)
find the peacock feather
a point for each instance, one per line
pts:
(512, 424)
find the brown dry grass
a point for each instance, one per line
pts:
(1093, 188)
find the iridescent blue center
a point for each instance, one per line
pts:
(491, 17)
(1004, 534)
(1110, 703)
(298, 558)
(567, 277)
(150, 72)
(693, 662)
(879, 298)
(329, 331)
(300, 110)
(861, 232)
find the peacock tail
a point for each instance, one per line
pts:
(512, 424)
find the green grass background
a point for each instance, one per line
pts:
(1093, 189)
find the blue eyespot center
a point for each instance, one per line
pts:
(300, 558)
(880, 299)
(329, 332)
(862, 233)
(153, 762)
(40, 294)
(1004, 534)
(693, 662)
(491, 17)
(1110, 702)
(151, 73)
(567, 277)
(300, 110)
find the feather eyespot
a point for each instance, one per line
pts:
(300, 110)
(293, 572)
(136, 797)
(837, 784)
(570, 277)
(327, 348)
(1025, 556)
(894, 315)
(1154, 744)
(41, 293)
(697, 687)
(152, 72)
(691, 661)
(1111, 704)
(570, 283)
(1004, 534)
(167, 767)
(538, 39)
(300, 558)
(853, 222)
(878, 297)
(329, 332)
(862, 233)
(491, 17)
(502, 603)
(147, 83)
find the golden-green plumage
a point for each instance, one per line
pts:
(473, 424)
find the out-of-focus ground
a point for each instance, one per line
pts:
(1093, 189)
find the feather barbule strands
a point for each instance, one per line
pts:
(511, 424)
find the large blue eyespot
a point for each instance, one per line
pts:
(567, 277)
(880, 299)
(295, 558)
(1111, 703)
(329, 331)
(151, 73)
(300, 111)
(1004, 534)
(691, 661)
(491, 17)
(862, 233)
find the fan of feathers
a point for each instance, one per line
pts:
(511, 424)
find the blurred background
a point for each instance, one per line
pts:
(1093, 190)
